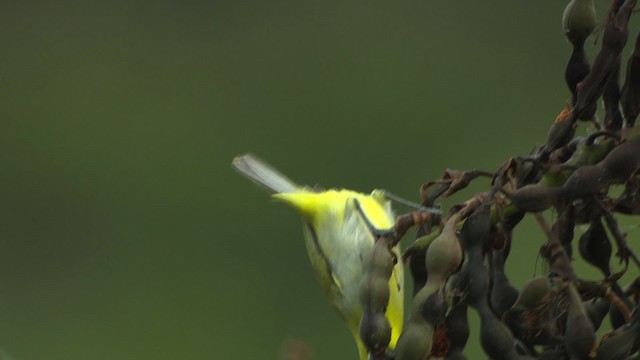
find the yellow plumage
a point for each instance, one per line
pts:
(339, 238)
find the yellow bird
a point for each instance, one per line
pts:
(340, 227)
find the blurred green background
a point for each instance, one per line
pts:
(124, 232)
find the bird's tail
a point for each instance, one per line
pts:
(264, 175)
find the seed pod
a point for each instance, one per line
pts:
(534, 197)
(579, 20)
(433, 307)
(416, 340)
(457, 330)
(563, 228)
(629, 201)
(563, 129)
(579, 335)
(613, 41)
(418, 268)
(495, 338)
(611, 99)
(616, 29)
(513, 318)
(576, 70)
(503, 295)
(618, 344)
(374, 293)
(622, 161)
(535, 293)
(559, 262)
(586, 210)
(475, 231)
(442, 259)
(595, 247)
(585, 181)
(616, 317)
(474, 235)
(456, 320)
(375, 332)
(532, 327)
(508, 224)
(444, 254)
(596, 312)
(630, 97)
(382, 259)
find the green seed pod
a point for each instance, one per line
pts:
(444, 254)
(613, 40)
(576, 70)
(496, 339)
(433, 307)
(457, 328)
(502, 295)
(611, 99)
(563, 228)
(616, 30)
(629, 201)
(416, 341)
(563, 129)
(534, 197)
(519, 327)
(579, 20)
(585, 181)
(597, 312)
(532, 327)
(535, 293)
(374, 293)
(620, 343)
(381, 259)
(475, 231)
(622, 161)
(616, 317)
(418, 268)
(474, 234)
(375, 332)
(595, 247)
(579, 334)
(374, 288)
(617, 344)
(559, 262)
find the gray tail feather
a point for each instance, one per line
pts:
(263, 174)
